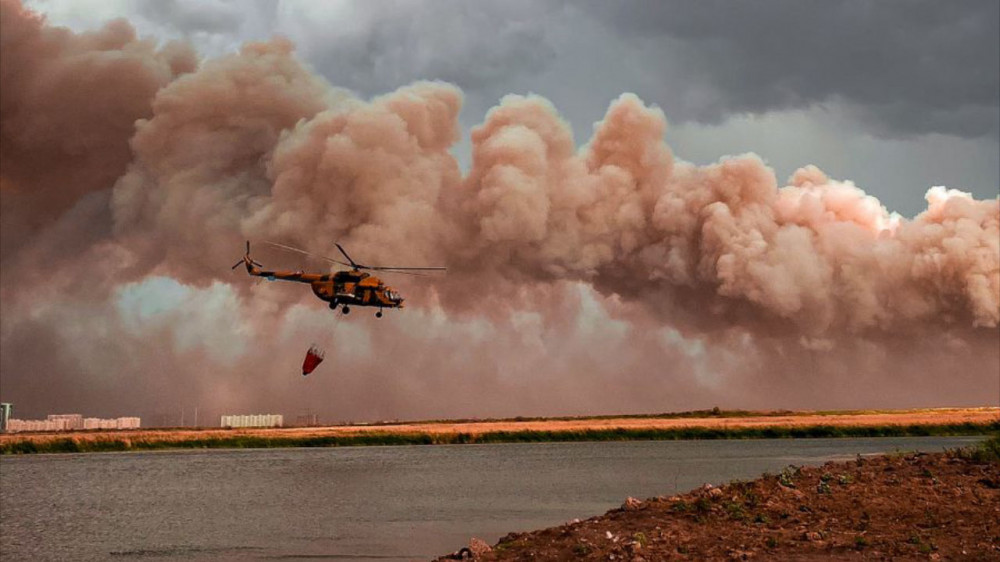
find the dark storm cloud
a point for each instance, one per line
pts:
(906, 67)
(900, 69)
(375, 47)
(190, 17)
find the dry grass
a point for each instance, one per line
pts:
(719, 421)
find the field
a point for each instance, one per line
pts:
(707, 424)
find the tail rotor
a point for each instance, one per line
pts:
(247, 260)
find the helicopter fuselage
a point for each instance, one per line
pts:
(353, 287)
(347, 288)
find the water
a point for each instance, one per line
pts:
(392, 503)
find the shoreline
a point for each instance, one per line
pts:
(893, 506)
(678, 426)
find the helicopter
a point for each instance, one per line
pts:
(342, 288)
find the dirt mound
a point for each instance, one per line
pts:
(921, 506)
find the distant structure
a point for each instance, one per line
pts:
(70, 422)
(116, 423)
(253, 420)
(67, 421)
(5, 410)
(307, 420)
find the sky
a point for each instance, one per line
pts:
(895, 96)
(644, 206)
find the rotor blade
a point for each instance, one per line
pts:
(248, 247)
(397, 269)
(407, 273)
(237, 264)
(353, 263)
(305, 253)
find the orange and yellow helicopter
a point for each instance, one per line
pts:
(342, 288)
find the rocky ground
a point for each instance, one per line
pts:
(897, 507)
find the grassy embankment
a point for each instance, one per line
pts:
(71, 445)
(714, 413)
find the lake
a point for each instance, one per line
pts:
(384, 503)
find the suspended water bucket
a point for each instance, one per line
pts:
(313, 358)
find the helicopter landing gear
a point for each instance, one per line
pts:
(333, 305)
(346, 309)
(378, 314)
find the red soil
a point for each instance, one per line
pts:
(938, 506)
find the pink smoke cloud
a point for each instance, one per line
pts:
(608, 277)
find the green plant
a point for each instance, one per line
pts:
(787, 477)
(770, 542)
(860, 542)
(640, 538)
(926, 547)
(845, 479)
(987, 451)
(735, 511)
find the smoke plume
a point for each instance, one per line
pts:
(612, 277)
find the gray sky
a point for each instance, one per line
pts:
(896, 96)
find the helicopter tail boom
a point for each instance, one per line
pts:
(254, 268)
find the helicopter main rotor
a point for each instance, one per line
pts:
(357, 266)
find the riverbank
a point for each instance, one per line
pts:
(919, 506)
(685, 425)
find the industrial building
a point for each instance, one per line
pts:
(252, 420)
(5, 410)
(69, 422)
(115, 423)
